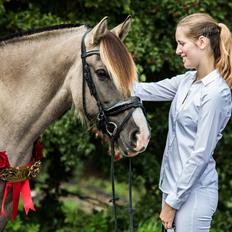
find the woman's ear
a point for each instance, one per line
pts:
(202, 42)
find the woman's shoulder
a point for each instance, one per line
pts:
(219, 87)
(217, 91)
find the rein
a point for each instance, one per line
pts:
(107, 126)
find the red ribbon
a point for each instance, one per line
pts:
(22, 187)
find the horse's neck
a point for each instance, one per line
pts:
(34, 89)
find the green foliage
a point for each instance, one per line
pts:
(71, 152)
(19, 226)
(25, 19)
(2, 9)
(83, 222)
(149, 226)
(31, 18)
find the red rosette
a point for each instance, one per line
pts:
(4, 162)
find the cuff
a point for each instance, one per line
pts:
(174, 201)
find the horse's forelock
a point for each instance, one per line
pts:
(118, 61)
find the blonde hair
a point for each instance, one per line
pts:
(118, 61)
(220, 40)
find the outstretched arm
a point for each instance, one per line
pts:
(164, 90)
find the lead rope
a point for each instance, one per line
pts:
(130, 210)
(114, 198)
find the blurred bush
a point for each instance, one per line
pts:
(69, 147)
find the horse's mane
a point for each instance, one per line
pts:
(118, 61)
(23, 35)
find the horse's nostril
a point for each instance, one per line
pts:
(142, 149)
(133, 136)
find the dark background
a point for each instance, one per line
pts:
(73, 155)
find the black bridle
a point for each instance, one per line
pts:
(104, 123)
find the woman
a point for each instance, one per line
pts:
(200, 110)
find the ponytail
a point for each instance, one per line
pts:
(224, 63)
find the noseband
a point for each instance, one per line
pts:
(104, 123)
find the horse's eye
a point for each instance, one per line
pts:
(102, 74)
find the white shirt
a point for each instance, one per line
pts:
(198, 114)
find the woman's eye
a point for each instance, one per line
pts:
(182, 43)
(102, 74)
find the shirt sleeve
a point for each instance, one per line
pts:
(163, 90)
(214, 114)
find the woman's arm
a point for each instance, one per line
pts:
(164, 90)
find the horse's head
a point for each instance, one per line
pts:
(109, 72)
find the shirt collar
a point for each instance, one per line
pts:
(212, 76)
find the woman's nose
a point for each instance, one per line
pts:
(178, 50)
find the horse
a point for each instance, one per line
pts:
(44, 73)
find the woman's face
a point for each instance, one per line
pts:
(187, 49)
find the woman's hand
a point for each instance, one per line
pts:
(167, 216)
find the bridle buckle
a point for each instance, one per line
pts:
(111, 128)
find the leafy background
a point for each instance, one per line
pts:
(75, 175)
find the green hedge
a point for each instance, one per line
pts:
(69, 147)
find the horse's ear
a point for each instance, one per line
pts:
(122, 29)
(98, 31)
